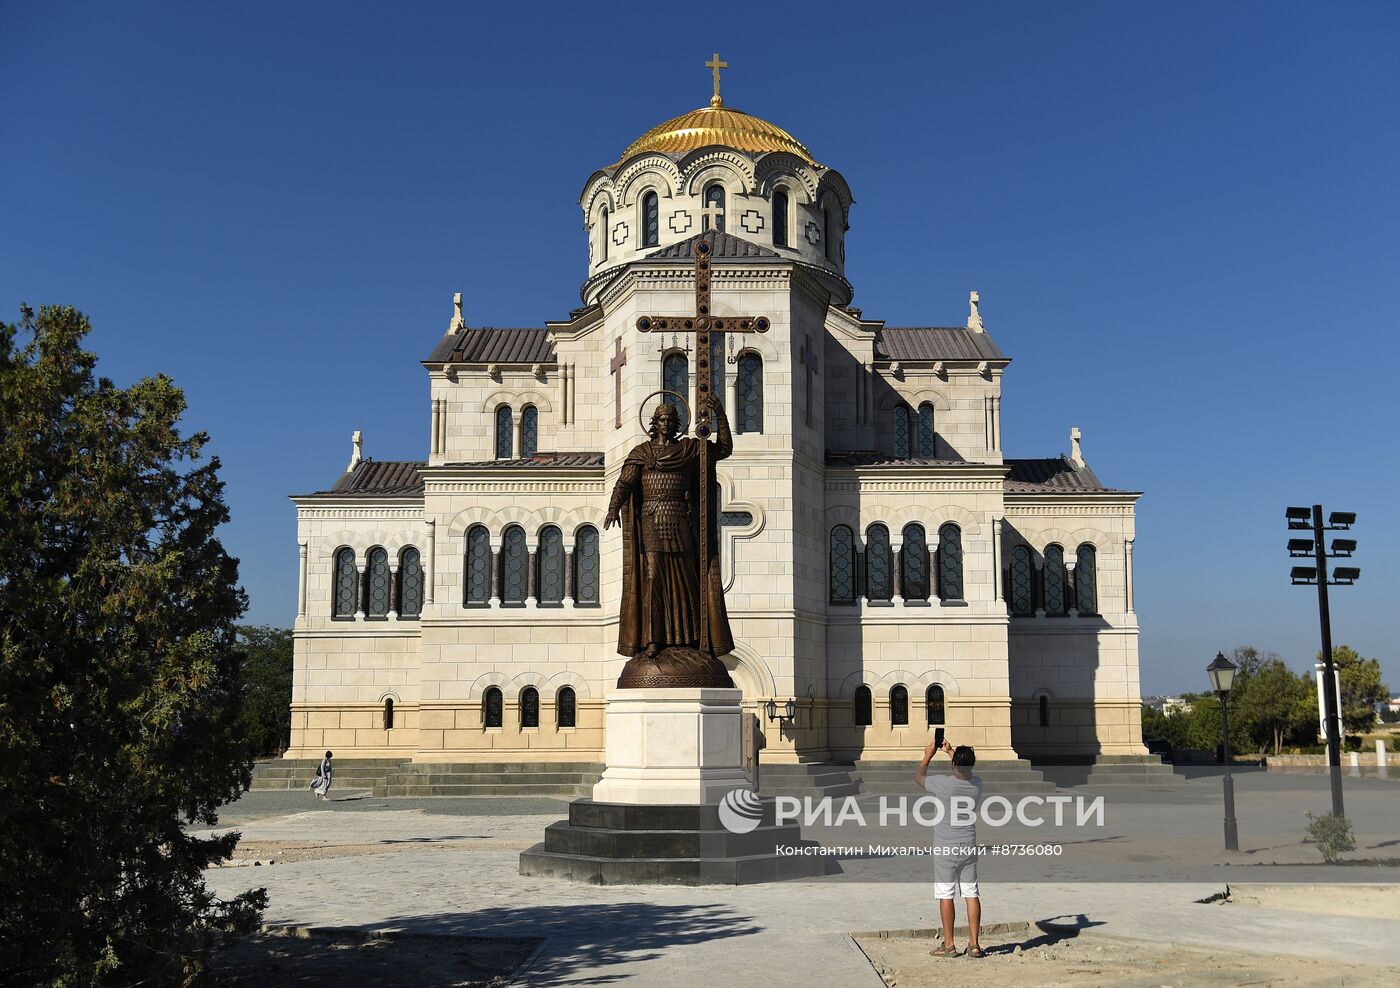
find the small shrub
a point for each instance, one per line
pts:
(1332, 835)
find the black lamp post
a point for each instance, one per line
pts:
(1222, 677)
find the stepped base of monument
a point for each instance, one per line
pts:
(636, 844)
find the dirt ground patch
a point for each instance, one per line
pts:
(1091, 959)
(268, 852)
(264, 959)
(1369, 901)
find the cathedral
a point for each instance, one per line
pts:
(886, 569)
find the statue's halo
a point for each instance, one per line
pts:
(641, 419)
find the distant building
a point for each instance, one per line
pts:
(1176, 705)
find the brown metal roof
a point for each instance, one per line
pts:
(1054, 475)
(935, 343)
(489, 345)
(538, 460)
(873, 458)
(721, 245)
(381, 478)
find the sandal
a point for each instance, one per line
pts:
(975, 951)
(945, 951)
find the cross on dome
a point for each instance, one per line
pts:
(714, 65)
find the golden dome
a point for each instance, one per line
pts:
(717, 124)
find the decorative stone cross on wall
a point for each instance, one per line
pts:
(811, 361)
(618, 362)
(713, 215)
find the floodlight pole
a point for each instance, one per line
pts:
(1331, 701)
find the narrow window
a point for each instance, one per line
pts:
(1020, 591)
(505, 441)
(878, 569)
(1086, 585)
(927, 446)
(514, 566)
(347, 584)
(529, 431)
(864, 713)
(388, 713)
(586, 565)
(566, 707)
(843, 566)
(749, 394)
(714, 209)
(1044, 710)
(651, 221)
(913, 564)
(675, 377)
(832, 223)
(492, 708)
(901, 432)
(899, 706)
(603, 234)
(780, 218)
(410, 583)
(549, 560)
(1056, 600)
(529, 707)
(379, 584)
(478, 565)
(950, 563)
(933, 700)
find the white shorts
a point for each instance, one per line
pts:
(951, 873)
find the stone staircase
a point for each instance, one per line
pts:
(1012, 777)
(814, 779)
(1109, 771)
(348, 773)
(493, 779)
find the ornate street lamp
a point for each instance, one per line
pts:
(789, 715)
(1222, 676)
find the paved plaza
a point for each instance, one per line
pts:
(450, 866)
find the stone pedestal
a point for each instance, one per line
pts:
(679, 747)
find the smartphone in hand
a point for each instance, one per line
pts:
(938, 739)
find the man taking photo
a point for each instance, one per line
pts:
(955, 842)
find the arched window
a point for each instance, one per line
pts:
(913, 564)
(603, 234)
(928, 447)
(529, 707)
(1086, 581)
(566, 707)
(529, 431)
(864, 714)
(515, 569)
(410, 583)
(379, 584)
(901, 432)
(780, 218)
(388, 713)
(347, 584)
(1044, 710)
(675, 376)
(478, 565)
(1020, 590)
(843, 565)
(714, 207)
(505, 439)
(586, 565)
(879, 572)
(950, 563)
(831, 221)
(933, 703)
(1056, 600)
(899, 705)
(492, 707)
(549, 561)
(651, 220)
(749, 394)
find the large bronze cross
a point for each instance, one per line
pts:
(618, 361)
(703, 324)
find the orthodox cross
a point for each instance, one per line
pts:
(810, 359)
(714, 65)
(703, 325)
(713, 213)
(618, 361)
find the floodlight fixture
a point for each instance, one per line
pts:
(1341, 519)
(1300, 547)
(1299, 518)
(1345, 575)
(1303, 574)
(1342, 547)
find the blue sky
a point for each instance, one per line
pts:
(1181, 217)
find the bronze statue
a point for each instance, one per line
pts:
(670, 626)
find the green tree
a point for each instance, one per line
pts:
(119, 677)
(1362, 688)
(266, 718)
(1268, 702)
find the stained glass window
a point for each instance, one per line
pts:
(714, 196)
(493, 707)
(901, 432)
(863, 712)
(1086, 581)
(675, 376)
(950, 563)
(843, 565)
(1056, 603)
(879, 572)
(567, 707)
(913, 564)
(780, 218)
(379, 585)
(410, 583)
(515, 569)
(927, 445)
(749, 393)
(586, 565)
(550, 560)
(529, 431)
(933, 701)
(347, 584)
(651, 221)
(899, 705)
(1021, 591)
(478, 565)
(529, 707)
(505, 441)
